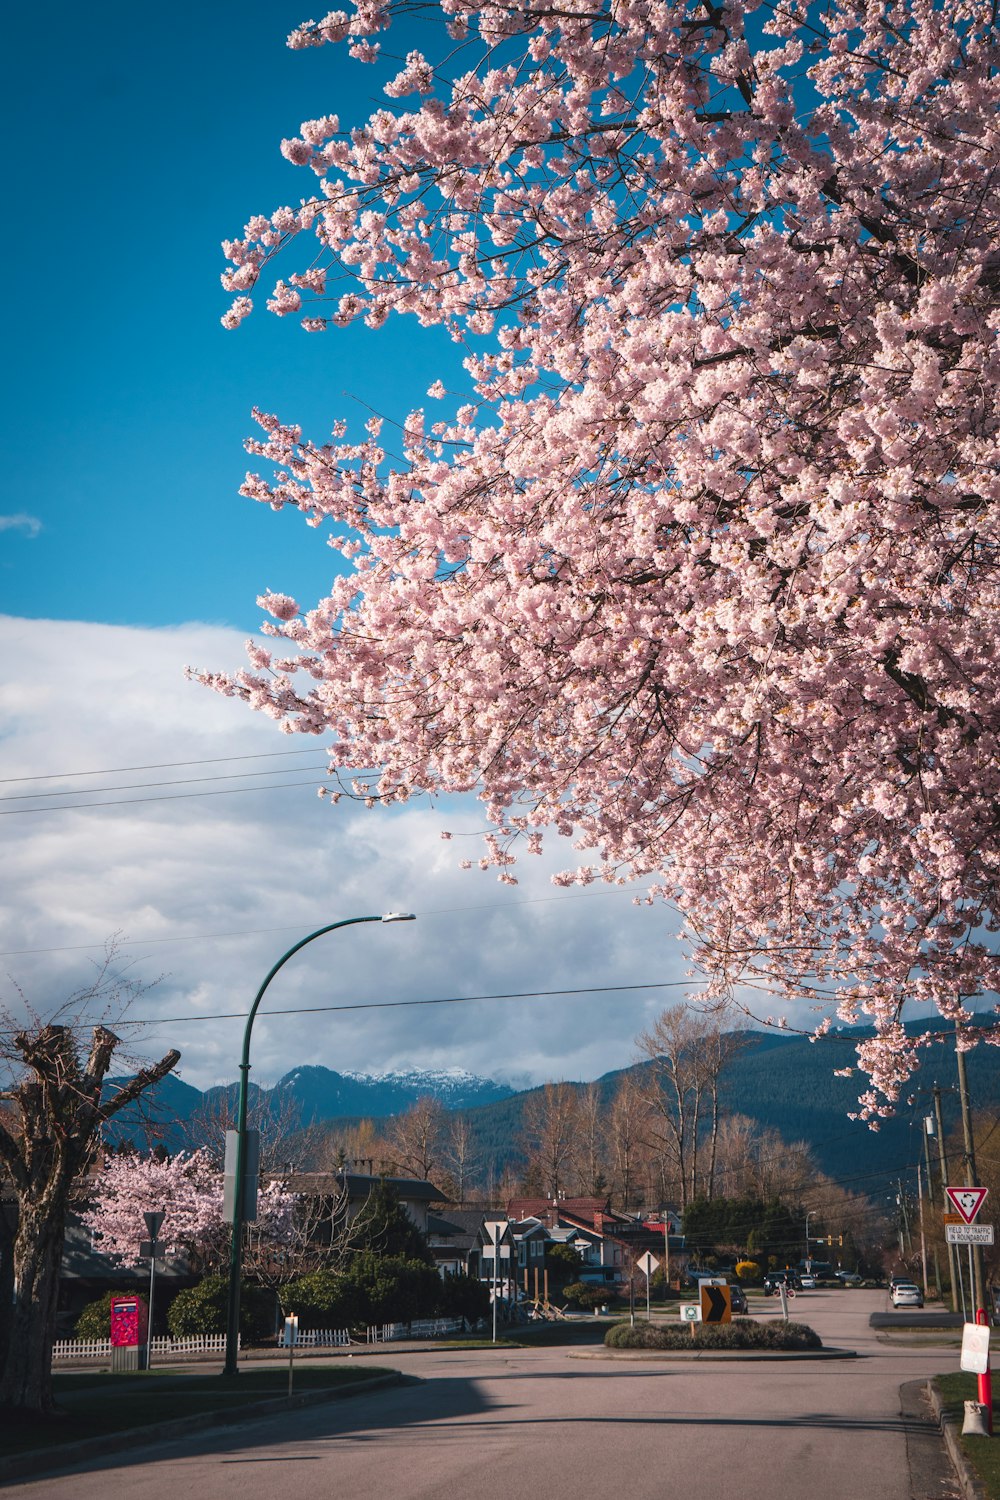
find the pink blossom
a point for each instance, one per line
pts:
(702, 575)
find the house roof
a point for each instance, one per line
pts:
(358, 1185)
(543, 1208)
(458, 1229)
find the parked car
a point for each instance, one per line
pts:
(737, 1299)
(849, 1278)
(807, 1281)
(906, 1294)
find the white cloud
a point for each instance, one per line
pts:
(241, 876)
(21, 521)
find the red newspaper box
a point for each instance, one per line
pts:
(129, 1325)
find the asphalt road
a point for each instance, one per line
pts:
(549, 1425)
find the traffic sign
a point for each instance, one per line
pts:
(716, 1304)
(690, 1312)
(969, 1234)
(953, 1218)
(975, 1348)
(967, 1201)
(648, 1263)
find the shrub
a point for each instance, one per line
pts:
(464, 1297)
(204, 1309)
(94, 1321)
(596, 1296)
(394, 1289)
(562, 1262)
(374, 1289)
(323, 1299)
(748, 1270)
(741, 1333)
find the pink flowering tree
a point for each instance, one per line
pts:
(188, 1188)
(700, 566)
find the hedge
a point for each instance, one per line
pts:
(204, 1309)
(741, 1333)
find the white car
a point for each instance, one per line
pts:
(807, 1281)
(906, 1294)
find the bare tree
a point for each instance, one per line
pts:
(415, 1137)
(689, 1051)
(277, 1117)
(591, 1135)
(47, 1140)
(717, 1050)
(459, 1153)
(626, 1124)
(550, 1122)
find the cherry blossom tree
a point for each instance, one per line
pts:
(701, 567)
(188, 1188)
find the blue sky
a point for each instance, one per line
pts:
(145, 139)
(139, 141)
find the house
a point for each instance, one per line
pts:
(455, 1239)
(337, 1194)
(608, 1243)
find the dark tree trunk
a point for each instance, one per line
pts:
(26, 1383)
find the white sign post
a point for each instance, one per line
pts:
(975, 1348)
(291, 1338)
(691, 1313)
(649, 1264)
(969, 1234)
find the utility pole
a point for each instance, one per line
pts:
(943, 1160)
(923, 1239)
(972, 1175)
(928, 1132)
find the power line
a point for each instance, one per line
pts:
(15, 812)
(141, 785)
(165, 765)
(317, 1010)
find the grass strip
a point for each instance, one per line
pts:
(982, 1453)
(98, 1405)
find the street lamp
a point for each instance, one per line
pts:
(236, 1246)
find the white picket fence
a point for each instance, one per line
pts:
(312, 1338)
(202, 1343)
(322, 1338)
(421, 1328)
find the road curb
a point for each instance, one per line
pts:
(42, 1460)
(971, 1488)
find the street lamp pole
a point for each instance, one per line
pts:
(236, 1244)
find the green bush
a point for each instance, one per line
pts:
(562, 1262)
(464, 1297)
(95, 1320)
(741, 1333)
(374, 1289)
(204, 1309)
(596, 1296)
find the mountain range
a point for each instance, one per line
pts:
(785, 1083)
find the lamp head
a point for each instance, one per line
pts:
(399, 916)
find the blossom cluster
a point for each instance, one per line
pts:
(703, 572)
(188, 1189)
